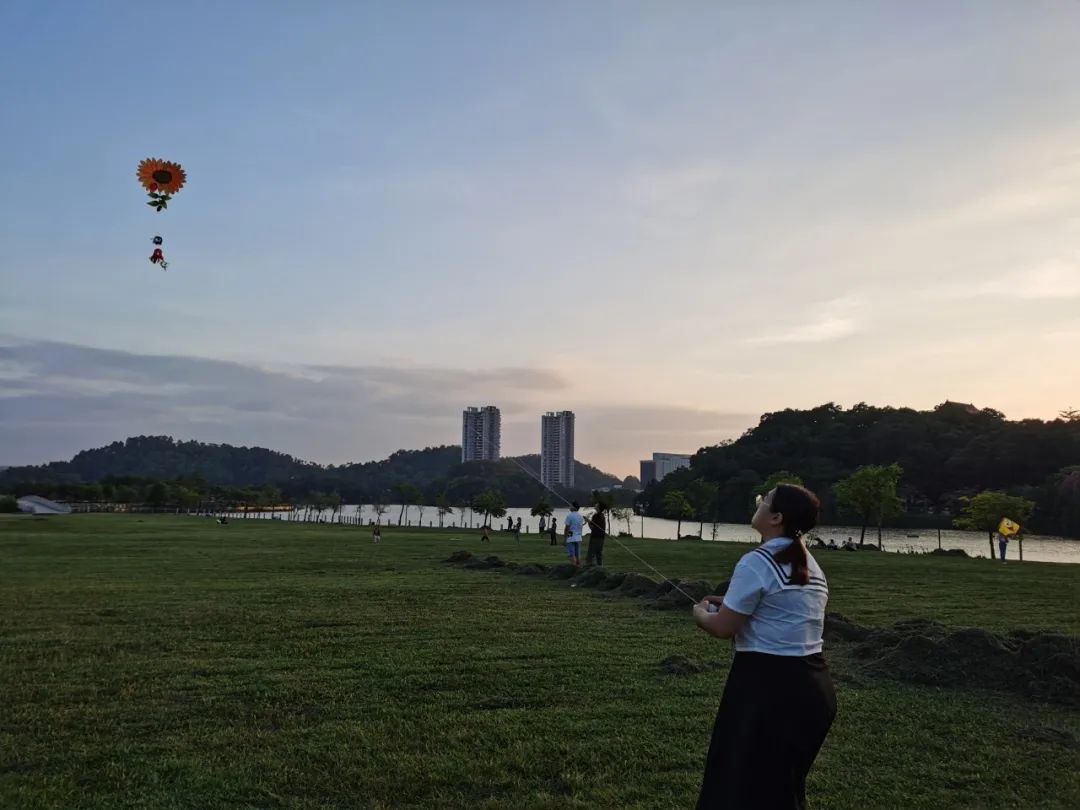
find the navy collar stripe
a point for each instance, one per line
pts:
(775, 565)
(784, 578)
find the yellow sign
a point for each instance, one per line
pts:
(1007, 527)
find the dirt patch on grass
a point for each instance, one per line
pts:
(1041, 666)
(590, 577)
(637, 585)
(666, 595)
(684, 665)
(839, 628)
(683, 594)
(1053, 736)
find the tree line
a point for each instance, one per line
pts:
(195, 494)
(953, 466)
(433, 471)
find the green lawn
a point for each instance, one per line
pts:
(171, 662)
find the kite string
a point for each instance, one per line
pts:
(629, 550)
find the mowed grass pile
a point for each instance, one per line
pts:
(172, 662)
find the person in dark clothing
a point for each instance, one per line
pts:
(553, 533)
(598, 524)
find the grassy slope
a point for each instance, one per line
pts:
(170, 662)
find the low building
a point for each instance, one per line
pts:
(648, 472)
(660, 465)
(36, 505)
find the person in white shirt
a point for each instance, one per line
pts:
(575, 523)
(778, 702)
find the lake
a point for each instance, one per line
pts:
(1036, 547)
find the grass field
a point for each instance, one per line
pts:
(171, 662)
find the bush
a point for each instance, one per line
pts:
(8, 505)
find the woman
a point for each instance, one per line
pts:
(778, 702)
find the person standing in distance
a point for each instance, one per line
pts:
(778, 702)
(598, 531)
(574, 525)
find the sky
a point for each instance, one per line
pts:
(669, 218)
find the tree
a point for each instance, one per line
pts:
(157, 494)
(702, 497)
(380, 509)
(871, 493)
(983, 513)
(8, 505)
(442, 504)
(314, 503)
(186, 498)
(677, 507)
(489, 504)
(333, 503)
(622, 513)
(1070, 415)
(125, 493)
(1064, 500)
(603, 500)
(780, 477)
(542, 508)
(408, 494)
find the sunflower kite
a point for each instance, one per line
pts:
(161, 179)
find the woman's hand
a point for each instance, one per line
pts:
(701, 611)
(724, 623)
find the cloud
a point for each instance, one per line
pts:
(59, 398)
(836, 319)
(668, 419)
(1021, 187)
(607, 431)
(673, 184)
(1054, 279)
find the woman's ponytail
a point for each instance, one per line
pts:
(799, 508)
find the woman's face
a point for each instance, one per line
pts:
(764, 518)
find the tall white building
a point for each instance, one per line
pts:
(481, 434)
(557, 449)
(661, 465)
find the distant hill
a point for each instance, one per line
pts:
(164, 457)
(433, 470)
(586, 476)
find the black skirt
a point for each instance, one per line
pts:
(773, 718)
